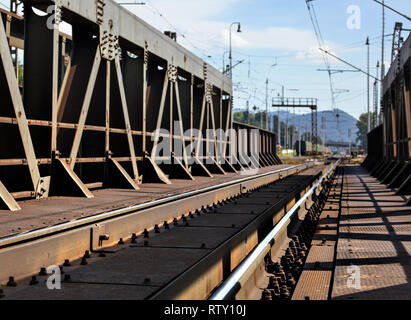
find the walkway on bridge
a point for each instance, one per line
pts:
(375, 236)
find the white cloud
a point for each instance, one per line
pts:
(196, 21)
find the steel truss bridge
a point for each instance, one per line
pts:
(81, 112)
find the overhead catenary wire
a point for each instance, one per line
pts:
(321, 43)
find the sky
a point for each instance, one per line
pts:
(281, 32)
(278, 42)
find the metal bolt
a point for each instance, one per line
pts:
(133, 238)
(83, 261)
(34, 281)
(87, 254)
(67, 278)
(175, 222)
(166, 226)
(156, 229)
(266, 295)
(102, 255)
(146, 234)
(67, 263)
(203, 245)
(120, 242)
(11, 282)
(43, 272)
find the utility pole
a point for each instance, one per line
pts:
(266, 104)
(279, 128)
(231, 49)
(368, 83)
(382, 56)
(248, 112)
(376, 114)
(285, 131)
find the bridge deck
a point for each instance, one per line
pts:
(48, 212)
(374, 235)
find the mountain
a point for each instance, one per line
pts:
(332, 125)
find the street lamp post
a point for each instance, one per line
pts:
(367, 43)
(225, 69)
(266, 95)
(231, 51)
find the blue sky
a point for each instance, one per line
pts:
(280, 31)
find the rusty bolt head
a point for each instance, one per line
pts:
(11, 282)
(133, 238)
(33, 281)
(43, 272)
(156, 229)
(121, 242)
(266, 295)
(67, 263)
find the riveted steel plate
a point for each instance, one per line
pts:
(324, 255)
(192, 237)
(313, 285)
(375, 225)
(83, 291)
(245, 209)
(258, 199)
(221, 220)
(127, 268)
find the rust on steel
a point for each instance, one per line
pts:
(389, 144)
(81, 111)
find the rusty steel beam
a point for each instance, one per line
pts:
(112, 82)
(54, 244)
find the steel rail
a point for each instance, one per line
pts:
(233, 283)
(35, 234)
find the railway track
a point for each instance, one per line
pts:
(150, 251)
(277, 262)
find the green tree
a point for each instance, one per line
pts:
(240, 117)
(362, 126)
